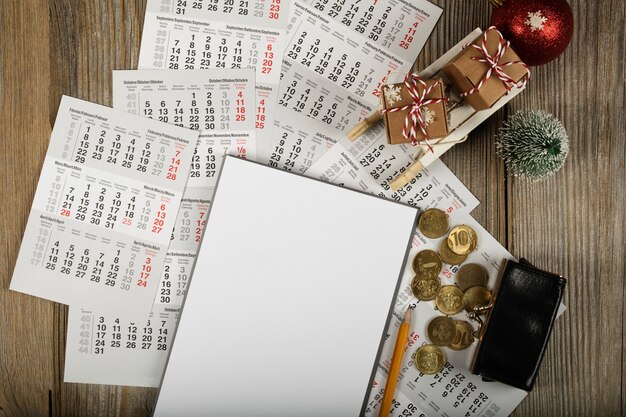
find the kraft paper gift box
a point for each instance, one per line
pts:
(464, 72)
(435, 117)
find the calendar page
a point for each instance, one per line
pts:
(334, 72)
(336, 64)
(220, 103)
(105, 205)
(184, 34)
(399, 26)
(106, 348)
(171, 42)
(370, 159)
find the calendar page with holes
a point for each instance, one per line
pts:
(220, 103)
(182, 34)
(105, 205)
(105, 348)
(335, 65)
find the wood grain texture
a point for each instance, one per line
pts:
(572, 223)
(577, 222)
(26, 323)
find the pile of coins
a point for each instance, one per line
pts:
(449, 299)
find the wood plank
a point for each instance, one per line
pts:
(88, 41)
(26, 366)
(573, 224)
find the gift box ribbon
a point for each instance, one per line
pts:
(495, 66)
(415, 117)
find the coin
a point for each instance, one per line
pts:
(462, 240)
(471, 275)
(448, 256)
(427, 262)
(425, 288)
(430, 359)
(449, 300)
(433, 223)
(463, 336)
(441, 331)
(476, 296)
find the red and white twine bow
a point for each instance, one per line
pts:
(415, 118)
(495, 66)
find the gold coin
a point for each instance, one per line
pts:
(430, 359)
(425, 288)
(449, 300)
(441, 331)
(433, 223)
(476, 296)
(427, 263)
(463, 336)
(471, 275)
(462, 240)
(448, 256)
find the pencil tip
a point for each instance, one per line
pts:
(407, 313)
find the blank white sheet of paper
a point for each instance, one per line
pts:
(280, 326)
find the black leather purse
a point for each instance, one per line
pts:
(519, 321)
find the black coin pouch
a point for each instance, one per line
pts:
(515, 334)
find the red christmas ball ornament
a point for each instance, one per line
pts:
(539, 30)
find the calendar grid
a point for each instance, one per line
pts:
(91, 198)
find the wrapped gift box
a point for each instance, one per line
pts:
(396, 96)
(465, 72)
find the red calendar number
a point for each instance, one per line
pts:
(260, 115)
(378, 90)
(200, 223)
(65, 212)
(144, 274)
(159, 220)
(240, 108)
(173, 168)
(408, 36)
(268, 59)
(275, 9)
(241, 152)
(412, 339)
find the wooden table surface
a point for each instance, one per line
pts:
(573, 223)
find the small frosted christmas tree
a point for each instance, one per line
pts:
(533, 144)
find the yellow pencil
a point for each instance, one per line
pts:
(396, 363)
